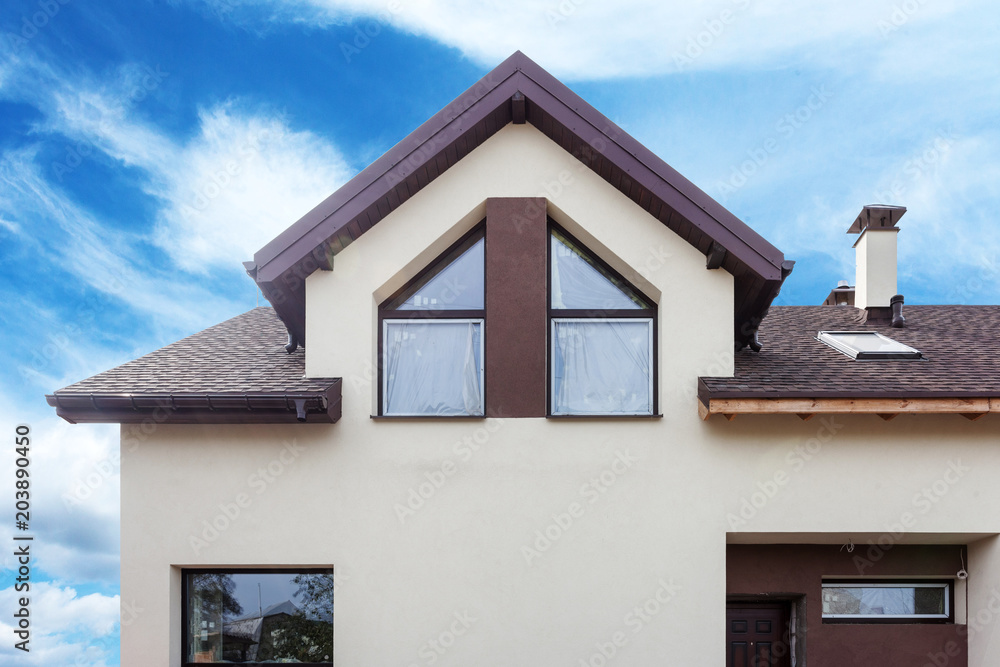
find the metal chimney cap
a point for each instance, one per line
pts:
(877, 216)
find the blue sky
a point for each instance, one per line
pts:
(119, 236)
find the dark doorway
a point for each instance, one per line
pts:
(757, 635)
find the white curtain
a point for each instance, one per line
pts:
(602, 366)
(432, 367)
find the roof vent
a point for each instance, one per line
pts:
(898, 321)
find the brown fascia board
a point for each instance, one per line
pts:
(222, 408)
(280, 267)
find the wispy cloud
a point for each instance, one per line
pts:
(70, 237)
(223, 193)
(588, 39)
(949, 247)
(242, 180)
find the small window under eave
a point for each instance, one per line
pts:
(868, 345)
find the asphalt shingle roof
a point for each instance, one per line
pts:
(244, 355)
(961, 345)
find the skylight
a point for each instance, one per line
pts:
(867, 345)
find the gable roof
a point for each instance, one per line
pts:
(519, 91)
(960, 371)
(234, 372)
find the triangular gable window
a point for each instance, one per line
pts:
(580, 283)
(602, 333)
(432, 337)
(455, 282)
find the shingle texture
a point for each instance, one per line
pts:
(243, 355)
(961, 345)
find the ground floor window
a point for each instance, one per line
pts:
(258, 616)
(896, 600)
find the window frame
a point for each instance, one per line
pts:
(948, 585)
(651, 314)
(383, 362)
(185, 624)
(385, 312)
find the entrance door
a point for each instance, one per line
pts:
(757, 635)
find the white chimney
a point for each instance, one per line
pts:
(875, 280)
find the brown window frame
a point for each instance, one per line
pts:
(603, 314)
(389, 310)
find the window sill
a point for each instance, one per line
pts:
(426, 417)
(610, 416)
(391, 418)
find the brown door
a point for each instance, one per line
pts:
(757, 635)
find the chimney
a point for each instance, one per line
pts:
(875, 280)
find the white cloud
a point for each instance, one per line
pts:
(71, 237)
(225, 192)
(12, 227)
(949, 244)
(74, 473)
(590, 39)
(235, 186)
(70, 549)
(66, 628)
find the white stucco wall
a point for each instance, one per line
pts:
(644, 505)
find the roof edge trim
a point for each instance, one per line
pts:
(200, 408)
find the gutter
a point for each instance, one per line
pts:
(200, 408)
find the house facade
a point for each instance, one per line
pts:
(522, 398)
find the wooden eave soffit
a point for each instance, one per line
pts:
(886, 408)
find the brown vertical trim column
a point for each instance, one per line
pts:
(516, 306)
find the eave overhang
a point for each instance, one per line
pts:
(323, 407)
(805, 405)
(519, 90)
